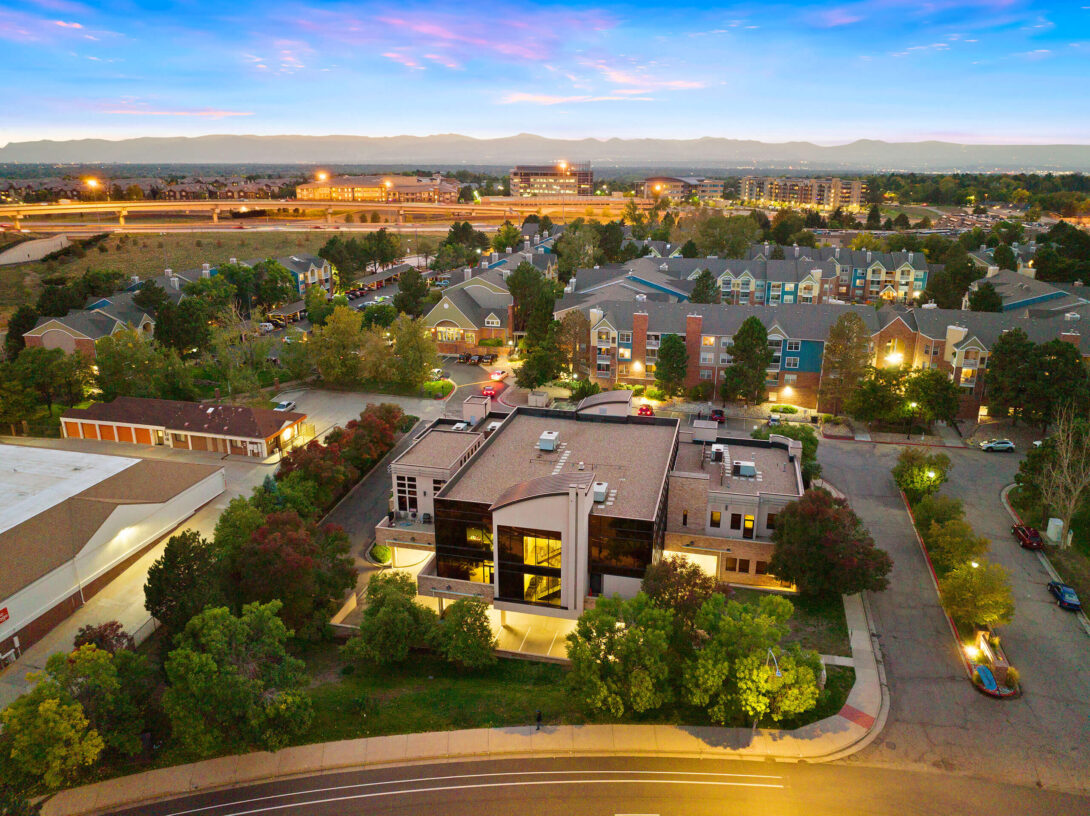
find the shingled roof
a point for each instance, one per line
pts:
(239, 421)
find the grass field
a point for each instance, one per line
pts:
(817, 624)
(147, 255)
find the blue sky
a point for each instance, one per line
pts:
(961, 70)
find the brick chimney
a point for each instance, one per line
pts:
(694, 330)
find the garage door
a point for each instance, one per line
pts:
(124, 433)
(89, 431)
(71, 430)
(143, 436)
(106, 433)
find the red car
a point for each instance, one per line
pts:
(646, 410)
(488, 391)
(718, 415)
(1028, 537)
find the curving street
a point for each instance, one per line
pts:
(621, 785)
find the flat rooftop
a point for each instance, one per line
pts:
(776, 473)
(34, 479)
(438, 448)
(633, 457)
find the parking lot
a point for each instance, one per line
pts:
(326, 409)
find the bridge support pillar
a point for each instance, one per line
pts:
(18, 221)
(401, 216)
(216, 215)
(329, 215)
(121, 217)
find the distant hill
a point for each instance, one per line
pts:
(454, 149)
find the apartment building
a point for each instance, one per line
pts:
(480, 307)
(560, 179)
(863, 275)
(677, 188)
(384, 189)
(826, 193)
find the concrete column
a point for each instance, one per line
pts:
(215, 215)
(329, 215)
(440, 599)
(503, 617)
(121, 217)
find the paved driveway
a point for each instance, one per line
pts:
(937, 720)
(326, 409)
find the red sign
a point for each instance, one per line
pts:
(4, 614)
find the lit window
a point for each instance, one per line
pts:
(717, 518)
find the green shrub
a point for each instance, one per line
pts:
(581, 389)
(639, 390)
(700, 393)
(938, 509)
(406, 423)
(380, 553)
(655, 393)
(438, 388)
(1013, 677)
(490, 342)
(784, 409)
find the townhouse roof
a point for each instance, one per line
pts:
(632, 456)
(56, 500)
(855, 258)
(1014, 288)
(438, 448)
(800, 321)
(302, 262)
(239, 421)
(107, 315)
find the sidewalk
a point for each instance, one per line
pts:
(852, 729)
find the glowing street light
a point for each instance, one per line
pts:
(930, 474)
(322, 175)
(974, 564)
(894, 359)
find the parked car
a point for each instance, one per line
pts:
(463, 357)
(285, 406)
(1028, 537)
(498, 375)
(439, 374)
(489, 359)
(277, 322)
(718, 415)
(265, 328)
(1065, 596)
(774, 420)
(645, 410)
(488, 391)
(475, 359)
(997, 445)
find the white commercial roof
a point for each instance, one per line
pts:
(34, 479)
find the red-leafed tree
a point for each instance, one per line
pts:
(307, 569)
(324, 466)
(824, 549)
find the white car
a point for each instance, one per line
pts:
(285, 406)
(997, 445)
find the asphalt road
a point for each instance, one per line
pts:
(937, 720)
(622, 785)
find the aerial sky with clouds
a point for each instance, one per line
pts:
(993, 71)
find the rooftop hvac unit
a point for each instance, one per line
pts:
(747, 469)
(461, 426)
(718, 452)
(1071, 316)
(600, 491)
(492, 426)
(547, 441)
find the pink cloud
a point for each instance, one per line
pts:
(205, 113)
(404, 59)
(519, 97)
(64, 24)
(641, 77)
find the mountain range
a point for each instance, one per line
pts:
(453, 150)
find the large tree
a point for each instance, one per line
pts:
(337, 346)
(706, 288)
(672, 365)
(920, 473)
(619, 653)
(182, 581)
(931, 395)
(951, 544)
(1064, 481)
(822, 547)
(232, 683)
(984, 298)
(415, 351)
(750, 359)
(392, 624)
(131, 365)
(23, 320)
(573, 341)
(412, 290)
(1009, 368)
(507, 238)
(464, 635)
(319, 306)
(978, 594)
(845, 360)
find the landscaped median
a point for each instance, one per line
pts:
(974, 594)
(833, 737)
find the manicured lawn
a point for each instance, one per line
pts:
(817, 624)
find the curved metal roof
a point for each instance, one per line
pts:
(545, 486)
(605, 397)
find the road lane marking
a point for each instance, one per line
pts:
(512, 784)
(464, 776)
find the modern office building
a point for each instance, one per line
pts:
(540, 511)
(804, 192)
(380, 189)
(560, 179)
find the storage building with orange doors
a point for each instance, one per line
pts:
(228, 429)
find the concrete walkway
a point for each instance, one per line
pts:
(843, 734)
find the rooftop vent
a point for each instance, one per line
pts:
(492, 426)
(1072, 316)
(719, 452)
(547, 441)
(600, 491)
(461, 426)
